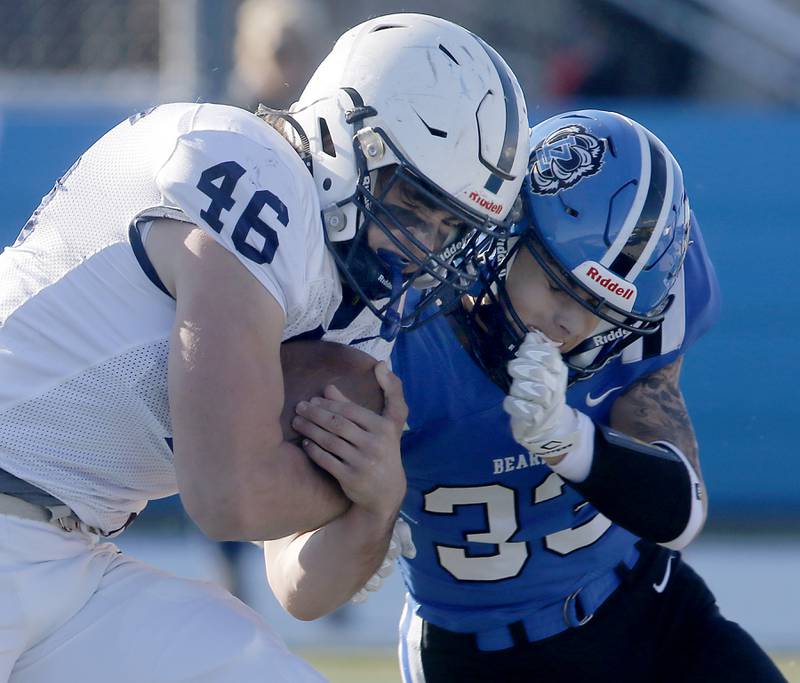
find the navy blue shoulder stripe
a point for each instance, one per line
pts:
(144, 260)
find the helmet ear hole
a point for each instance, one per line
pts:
(327, 141)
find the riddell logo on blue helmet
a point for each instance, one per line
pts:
(609, 283)
(606, 284)
(564, 158)
(619, 333)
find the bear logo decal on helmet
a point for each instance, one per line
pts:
(562, 159)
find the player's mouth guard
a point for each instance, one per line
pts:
(390, 326)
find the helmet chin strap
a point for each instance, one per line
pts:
(585, 353)
(390, 326)
(590, 356)
(510, 244)
(300, 143)
(383, 271)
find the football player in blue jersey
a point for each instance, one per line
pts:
(551, 464)
(552, 468)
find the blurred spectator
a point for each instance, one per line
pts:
(613, 54)
(277, 46)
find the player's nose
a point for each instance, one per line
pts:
(427, 232)
(417, 242)
(570, 323)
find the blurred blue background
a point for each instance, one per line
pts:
(741, 166)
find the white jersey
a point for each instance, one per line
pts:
(84, 331)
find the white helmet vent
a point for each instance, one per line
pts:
(384, 27)
(436, 132)
(448, 53)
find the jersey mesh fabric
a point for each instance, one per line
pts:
(316, 309)
(80, 216)
(97, 441)
(85, 335)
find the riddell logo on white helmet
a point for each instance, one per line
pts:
(490, 206)
(616, 291)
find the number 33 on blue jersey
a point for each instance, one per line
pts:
(500, 503)
(252, 236)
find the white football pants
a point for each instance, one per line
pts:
(74, 608)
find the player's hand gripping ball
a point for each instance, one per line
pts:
(310, 366)
(348, 431)
(351, 415)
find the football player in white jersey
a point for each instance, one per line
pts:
(141, 315)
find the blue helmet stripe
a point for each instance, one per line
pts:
(622, 265)
(659, 239)
(642, 186)
(649, 217)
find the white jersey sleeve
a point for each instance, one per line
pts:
(241, 182)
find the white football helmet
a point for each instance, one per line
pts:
(441, 111)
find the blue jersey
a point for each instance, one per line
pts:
(499, 535)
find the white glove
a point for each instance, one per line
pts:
(541, 421)
(401, 543)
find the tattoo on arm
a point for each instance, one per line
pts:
(653, 409)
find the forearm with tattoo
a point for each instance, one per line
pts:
(654, 410)
(645, 473)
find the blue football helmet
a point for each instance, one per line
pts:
(607, 218)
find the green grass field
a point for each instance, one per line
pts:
(380, 666)
(790, 666)
(362, 666)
